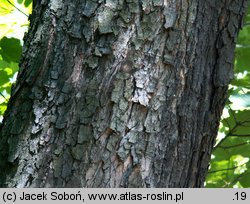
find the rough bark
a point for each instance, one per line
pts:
(125, 93)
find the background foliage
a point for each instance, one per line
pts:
(13, 24)
(230, 163)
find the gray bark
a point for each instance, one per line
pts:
(119, 93)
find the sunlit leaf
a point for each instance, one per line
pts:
(3, 63)
(4, 77)
(242, 82)
(6, 7)
(2, 108)
(5, 29)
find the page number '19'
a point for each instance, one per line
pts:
(240, 196)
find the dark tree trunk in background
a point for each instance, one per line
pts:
(125, 93)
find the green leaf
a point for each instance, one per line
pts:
(247, 17)
(4, 77)
(219, 155)
(14, 66)
(237, 118)
(3, 107)
(243, 38)
(9, 68)
(245, 82)
(3, 64)
(20, 1)
(8, 88)
(10, 49)
(220, 174)
(27, 3)
(242, 59)
(245, 180)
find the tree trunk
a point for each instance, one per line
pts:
(119, 93)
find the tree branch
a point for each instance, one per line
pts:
(232, 146)
(239, 135)
(232, 168)
(3, 96)
(17, 8)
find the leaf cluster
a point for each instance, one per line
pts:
(230, 163)
(14, 21)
